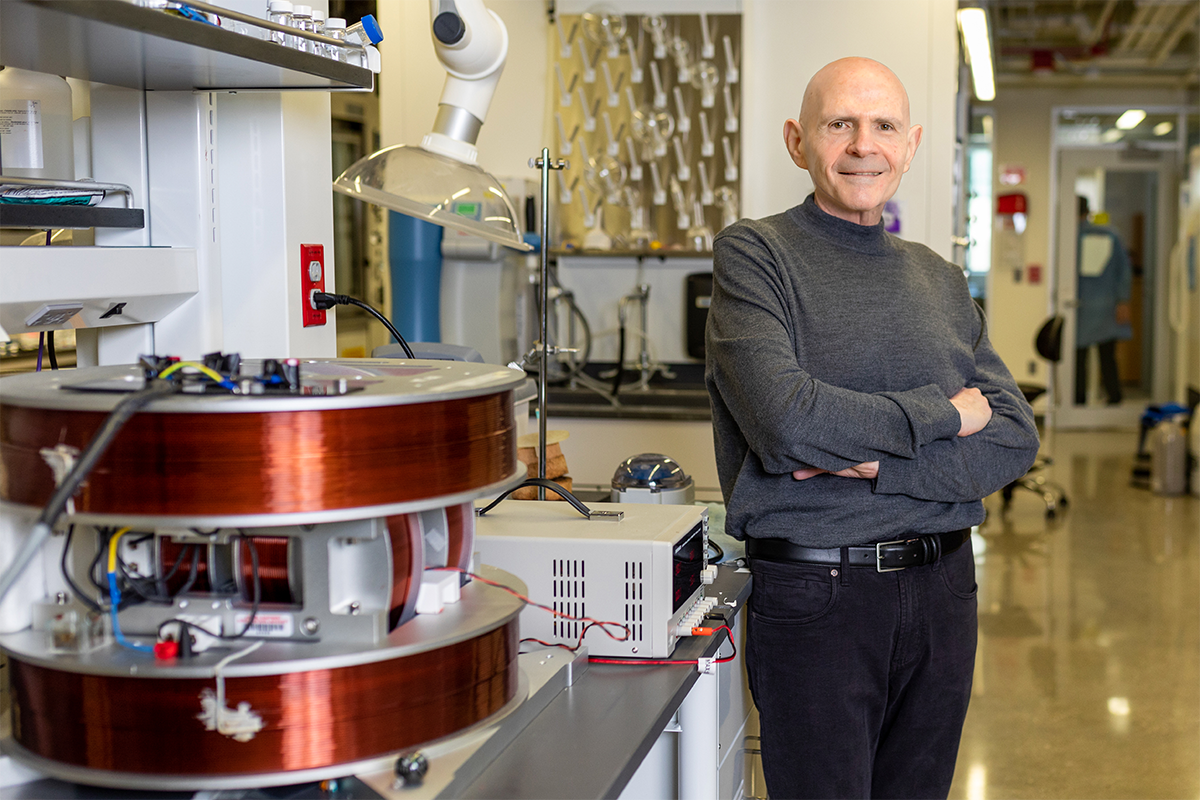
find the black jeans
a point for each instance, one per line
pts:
(1109, 375)
(861, 678)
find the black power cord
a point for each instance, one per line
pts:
(326, 300)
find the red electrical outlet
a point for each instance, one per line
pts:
(312, 279)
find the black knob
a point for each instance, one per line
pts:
(411, 769)
(448, 27)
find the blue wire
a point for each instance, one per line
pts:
(115, 596)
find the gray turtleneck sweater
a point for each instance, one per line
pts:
(831, 344)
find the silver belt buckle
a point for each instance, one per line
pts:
(879, 556)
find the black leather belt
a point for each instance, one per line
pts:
(883, 556)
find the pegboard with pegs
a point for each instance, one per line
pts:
(647, 110)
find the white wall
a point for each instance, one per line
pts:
(412, 78)
(791, 40)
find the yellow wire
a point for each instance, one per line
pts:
(178, 365)
(112, 548)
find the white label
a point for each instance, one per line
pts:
(265, 625)
(21, 134)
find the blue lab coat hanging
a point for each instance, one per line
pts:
(1105, 278)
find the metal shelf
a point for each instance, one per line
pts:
(22, 216)
(123, 44)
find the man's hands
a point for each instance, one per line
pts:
(868, 470)
(973, 409)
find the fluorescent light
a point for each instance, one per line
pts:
(1118, 706)
(974, 26)
(1112, 135)
(1163, 128)
(1130, 119)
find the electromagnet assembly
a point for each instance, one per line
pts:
(231, 597)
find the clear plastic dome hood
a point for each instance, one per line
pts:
(436, 188)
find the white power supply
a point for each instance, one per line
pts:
(645, 572)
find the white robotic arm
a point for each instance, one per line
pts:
(472, 44)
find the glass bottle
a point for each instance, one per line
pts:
(302, 20)
(335, 28)
(280, 13)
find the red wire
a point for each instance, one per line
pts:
(600, 624)
(662, 661)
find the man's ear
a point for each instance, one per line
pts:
(793, 139)
(914, 141)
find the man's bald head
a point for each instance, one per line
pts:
(854, 138)
(848, 72)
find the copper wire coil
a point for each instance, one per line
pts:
(311, 719)
(171, 553)
(405, 535)
(274, 569)
(197, 464)
(460, 520)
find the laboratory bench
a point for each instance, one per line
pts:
(681, 397)
(583, 731)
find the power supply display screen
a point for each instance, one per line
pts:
(689, 561)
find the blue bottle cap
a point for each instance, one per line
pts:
(371, 29)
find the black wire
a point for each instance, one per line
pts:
(347, 300)
(83, 598)
(50, 350)
(185, 626)
(257, 586)
(620, 361)
(192, 572)
(98, 445)
(718, 552)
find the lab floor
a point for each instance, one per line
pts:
(1087, 677)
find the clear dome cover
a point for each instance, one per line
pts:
(437, 188)
(652, 471)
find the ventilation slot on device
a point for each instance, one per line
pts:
(567, 594)
(634, 589)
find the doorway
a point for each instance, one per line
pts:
(1131, 192)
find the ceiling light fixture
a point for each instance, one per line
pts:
(974, 26)
(1112, 135)
(1130, 119)
(1163, 128)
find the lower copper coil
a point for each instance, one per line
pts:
(314, 719)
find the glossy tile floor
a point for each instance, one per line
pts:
(1087, 680)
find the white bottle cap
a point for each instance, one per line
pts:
(302, 11)
(335, 24)
(318, 15)
(279, 6)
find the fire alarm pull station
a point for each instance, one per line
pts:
(312, 279)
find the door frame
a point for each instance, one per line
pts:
(1063, 227)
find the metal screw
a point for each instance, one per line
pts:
(61, 598)
(355, 607)
(311, 625)
(183, 603)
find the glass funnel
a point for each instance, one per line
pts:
(433, 187)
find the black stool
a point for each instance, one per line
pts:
(1048, 344)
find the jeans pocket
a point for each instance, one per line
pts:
(958, 572)
(791, 594)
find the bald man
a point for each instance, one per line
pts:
(860, 415)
